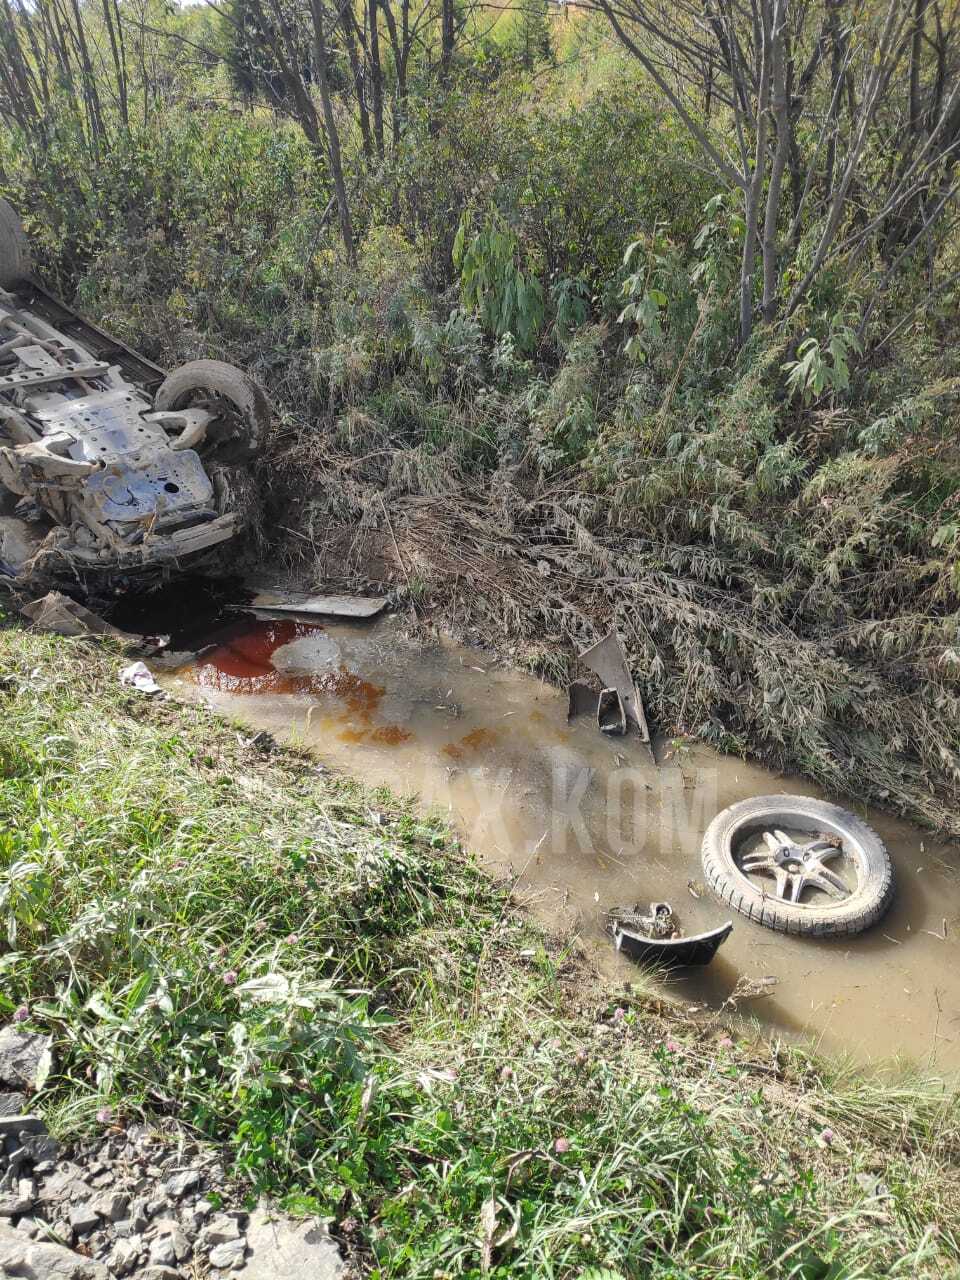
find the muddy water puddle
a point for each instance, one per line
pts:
(584, 822)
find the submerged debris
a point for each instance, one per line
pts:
(611, 713)
(607, 660)
(654, 936)
(582, 699)
(759, 856)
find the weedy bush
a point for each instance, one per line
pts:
(373, 1032)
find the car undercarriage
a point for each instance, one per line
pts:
(106, 464)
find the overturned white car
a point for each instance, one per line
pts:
(106, 463)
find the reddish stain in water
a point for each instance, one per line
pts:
(390, 735)
(349, 734)
(386, 735)
(244, 665)
(361, 697)
(476, 740)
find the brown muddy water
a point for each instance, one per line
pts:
(582, 822)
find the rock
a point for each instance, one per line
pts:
(111, 1205)
(228, 1255)
(24, 1057)
(182, 1182)
(98, 1245)
(39, 1147)
(194, 1218)
(62, 1230)
(138, 1216)
(13, 1155)
(41, 1260)
(155, 1206)
(125, 1255)
(219, 1230)
(83, 1218)
(171, 1229)
(29, 1227)
(13, 1104)
(162, 1252)
(281, 1249)
(14, 1125)
(158, 1273)
(66, 1184)
(18, 1200)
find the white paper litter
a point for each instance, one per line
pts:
(139, 676)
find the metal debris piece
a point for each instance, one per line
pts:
(607, 660)
(332, 606)
(795, 866)
(657, 922)
(611, 714)
(653, 936)
(58, 613)
(582, 700)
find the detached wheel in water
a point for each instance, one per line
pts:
(799, 865)
(240, 408)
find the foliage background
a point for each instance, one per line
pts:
(531, 352)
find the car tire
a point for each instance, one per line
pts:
(14, 248)
(243, 431)
(858, 910)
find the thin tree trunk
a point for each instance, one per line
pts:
(447, 39)
(376, 75)
(347, 21)
(754, 188)
(781, 121)
(916, 50)
(334, 155)
(291, 75)
(116, 49)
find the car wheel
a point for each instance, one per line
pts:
(239, 403)
(798, 865)
(14, 248)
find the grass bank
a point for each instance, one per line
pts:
(320, 979)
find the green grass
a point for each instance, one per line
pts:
(316, 976)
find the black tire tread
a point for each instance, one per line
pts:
(767, 911)
(235, 385)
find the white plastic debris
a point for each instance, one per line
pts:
(139, 676)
